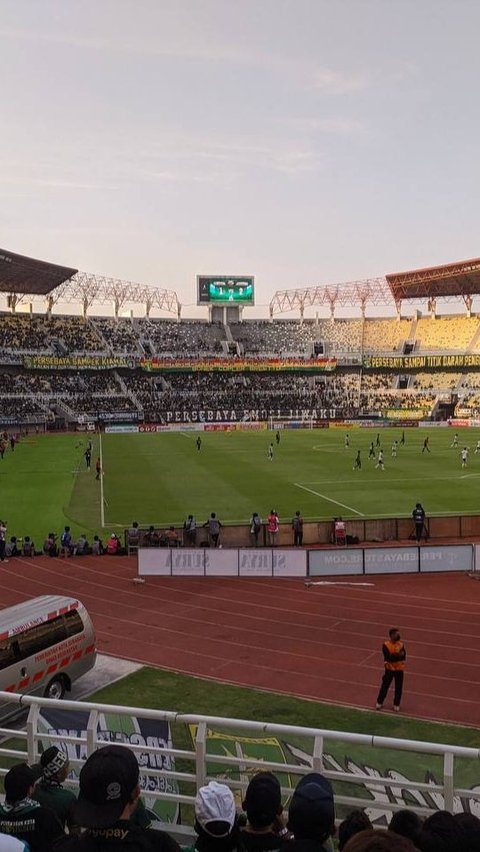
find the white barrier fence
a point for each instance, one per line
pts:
(282, 562)
(231, 750)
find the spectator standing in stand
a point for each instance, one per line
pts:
(273, 525)
(3, 537)
(418, 516)
(297, 527)
(255, 527)
(214, 526)
(190, 531)
(394, 656)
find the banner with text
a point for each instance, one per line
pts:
(78, 362)
(238, 365)
(420, 362)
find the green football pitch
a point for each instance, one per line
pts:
(160, 478)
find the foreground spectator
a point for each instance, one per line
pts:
(49, 791)
(470, 826)
(441, 833)
(22, 816)
(355, 822)
(407, 823)
(216, 820)
(378, 840)
(108, 796)
(265, 829)
(12, 844)
(311, 815)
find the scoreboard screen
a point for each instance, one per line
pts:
(225, 289)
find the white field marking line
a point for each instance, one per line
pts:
(388, 479)
(102, 507)
(330, 499)
(334, 583)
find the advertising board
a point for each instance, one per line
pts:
(333, 562)
(458, 557)
(391, 560)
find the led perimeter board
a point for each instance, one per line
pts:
(225, 289)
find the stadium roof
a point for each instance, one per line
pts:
(21, 275)
(454, 279)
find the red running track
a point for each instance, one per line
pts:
(322, 642)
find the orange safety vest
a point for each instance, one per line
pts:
(394, 648)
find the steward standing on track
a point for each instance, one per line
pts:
(394, 656)
(418, 516)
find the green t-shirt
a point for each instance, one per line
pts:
(52, 795)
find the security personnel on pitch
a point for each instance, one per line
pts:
(418, 516)
(394, 656)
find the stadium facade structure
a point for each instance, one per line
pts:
(24, 279)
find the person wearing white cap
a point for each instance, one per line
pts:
(216, 820)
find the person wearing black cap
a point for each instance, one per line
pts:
(24, 818)
(48, 790)
(311, 815)
(265, 829)
(108, 795)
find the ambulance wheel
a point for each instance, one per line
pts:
(55, 689)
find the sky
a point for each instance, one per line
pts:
(300, 141)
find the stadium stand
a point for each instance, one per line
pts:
(438, 380)
(385, 335)
(445, 333)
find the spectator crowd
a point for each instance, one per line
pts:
(108, 813)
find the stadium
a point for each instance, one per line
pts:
(229, 415)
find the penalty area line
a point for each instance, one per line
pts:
(330, 499)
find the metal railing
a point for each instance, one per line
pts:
(188, 768)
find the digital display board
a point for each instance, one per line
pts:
(225, 289)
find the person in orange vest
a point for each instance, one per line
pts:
(394, 656)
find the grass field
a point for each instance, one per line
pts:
(160, 478)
